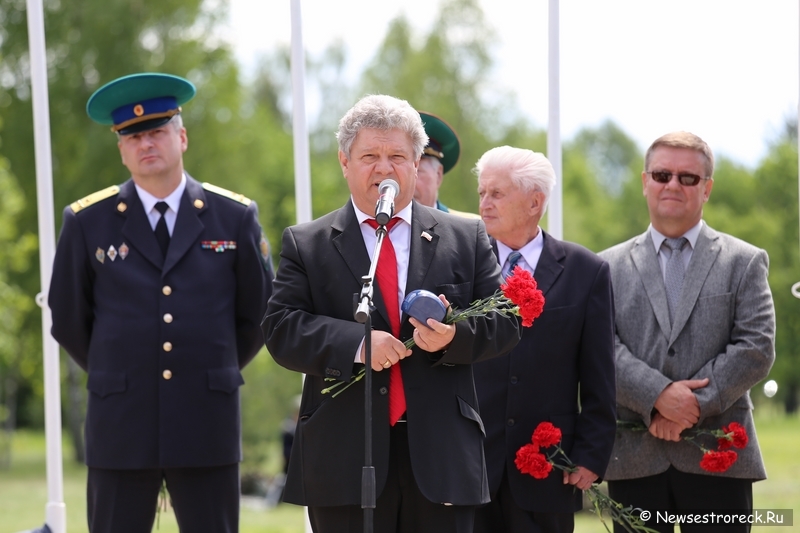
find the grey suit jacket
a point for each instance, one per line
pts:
(724, 330)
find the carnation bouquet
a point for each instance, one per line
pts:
(731, 436)
(518, 296)
(530, 459)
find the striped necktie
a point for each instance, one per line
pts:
(674, 273)
(511, 261)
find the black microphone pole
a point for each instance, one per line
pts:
(363, 316)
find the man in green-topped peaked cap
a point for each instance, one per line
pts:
(139, 102)
(439, 156)
(159, 286)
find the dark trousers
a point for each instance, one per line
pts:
(676, 491)
(203, 499)
(503, 515)
(400, 508)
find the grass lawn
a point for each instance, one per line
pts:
(23, 488)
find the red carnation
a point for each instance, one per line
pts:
(530, 461)
(521, 289)
(718, 461)
(546, 435)
(738, 439)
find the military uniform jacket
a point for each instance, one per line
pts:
(162, 339)
(310, 328)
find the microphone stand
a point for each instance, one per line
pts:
(363, 316)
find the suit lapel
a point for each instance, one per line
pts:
(347, 239)
(422, 249)
(136, 229)
(550, 266)
(188, 226)
(646, 261)
(703, 258)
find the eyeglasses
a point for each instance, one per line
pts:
(662, 176)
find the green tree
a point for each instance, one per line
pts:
(449, 75)
(773, 225)
(602, 187)
(236, 139)
(17, 362)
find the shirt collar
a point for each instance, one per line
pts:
(692, 235)
(404, 213)
(173, 199)
(530, 252)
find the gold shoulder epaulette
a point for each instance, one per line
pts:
(94, 198)
(242, 199)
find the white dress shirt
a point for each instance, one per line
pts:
(400, 235)
(173, 200)
(531, 253)
(686, 253)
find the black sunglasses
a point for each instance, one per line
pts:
(662, 176)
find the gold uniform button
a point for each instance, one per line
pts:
(167, 346)
(168, 318)
(167, 374)
(167, 290)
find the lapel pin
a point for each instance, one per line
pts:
(112, 253)
(123, 251)
(100, 255)
(427, 236)
(121, 207)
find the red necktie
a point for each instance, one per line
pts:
(386, 274)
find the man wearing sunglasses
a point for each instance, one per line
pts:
(695, 327)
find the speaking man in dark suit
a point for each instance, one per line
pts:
(562, 371)
(695, 328)
(427, 433)
(158, 289)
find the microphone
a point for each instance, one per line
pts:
(384, 209)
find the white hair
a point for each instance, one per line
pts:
(528, 170)
(381, 112)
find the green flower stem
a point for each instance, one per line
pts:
(496, 303)
(688, 437)
(602, 503)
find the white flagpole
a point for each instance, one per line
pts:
(302, 163)
(56, 509)
(555, 224)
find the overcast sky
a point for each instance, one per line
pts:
(726, 70)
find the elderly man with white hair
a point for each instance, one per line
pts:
(562, 371)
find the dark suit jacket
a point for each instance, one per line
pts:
(562, 371)
(310, 328)
(110, 314)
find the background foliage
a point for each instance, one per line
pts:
(240, 138)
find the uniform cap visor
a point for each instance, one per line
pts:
(144, 125)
